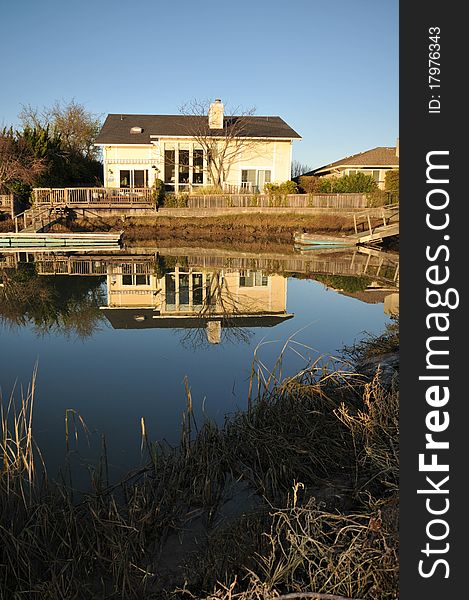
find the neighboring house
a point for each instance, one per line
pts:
(137, 149)
(373, 162)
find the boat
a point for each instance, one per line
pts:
(311, 240)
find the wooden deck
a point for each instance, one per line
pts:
(93, 197)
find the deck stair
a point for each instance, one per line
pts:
(37, 219)
(365, 231)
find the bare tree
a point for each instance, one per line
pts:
(76, 126)
(298, 169)
(17, 163)
(221, 305)
(222, 147)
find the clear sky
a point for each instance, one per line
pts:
(329, 69)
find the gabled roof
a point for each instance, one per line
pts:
(382, 156)
(116, 128)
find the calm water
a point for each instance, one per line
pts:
(116, 342)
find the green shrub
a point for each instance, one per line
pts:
(176, 201)
(308, 184)
(391, 184)
(158, 192)
(207, 190)
(278, 192)
(378, 198)
(287, 187)
(354, 183)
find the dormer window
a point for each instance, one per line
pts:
(134, 130)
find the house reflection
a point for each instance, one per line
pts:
(190, 298)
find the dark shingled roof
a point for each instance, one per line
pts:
(124, 318)
(381, 156)
(116, 128)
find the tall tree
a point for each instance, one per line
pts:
(298, 169)
(18, 163)
(222, 147)
(76, 126)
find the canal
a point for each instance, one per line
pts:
(122, 336)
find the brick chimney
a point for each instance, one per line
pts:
(215, 114)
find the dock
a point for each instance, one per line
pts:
(67, 241)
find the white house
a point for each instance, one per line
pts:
(193, 151)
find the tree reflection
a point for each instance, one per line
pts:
(218, 317)
(65, 304)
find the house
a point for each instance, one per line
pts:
(194, 151)
(193, 298)
(374, 162)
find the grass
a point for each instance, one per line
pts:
(317, 452)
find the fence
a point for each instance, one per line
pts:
(143, 198)
(346, 201)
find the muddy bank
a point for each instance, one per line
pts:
(247, 228)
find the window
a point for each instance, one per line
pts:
(197, 289)
(198, 166)
(183, 167)
(130, 178)
(170, 288)
(372, 172)
(169, 166)
(253, 279)
(134, 274)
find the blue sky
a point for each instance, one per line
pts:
(330, 69)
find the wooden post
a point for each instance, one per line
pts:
(369, 223)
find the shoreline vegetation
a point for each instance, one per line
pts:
(256, 228)
(296, 497)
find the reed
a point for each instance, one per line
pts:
(311, 468)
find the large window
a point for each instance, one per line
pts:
(183, 168)
(133, 178)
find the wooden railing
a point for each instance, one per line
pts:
(6, 203)
(95, 197)
(389, 215)
(35, 218)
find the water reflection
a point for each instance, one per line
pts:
(147, 315)
(211, 297)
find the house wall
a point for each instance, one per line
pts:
(135, 157)
(271, 155)
(266, 294)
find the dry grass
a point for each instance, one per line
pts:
(246, 227)
(320, 451)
